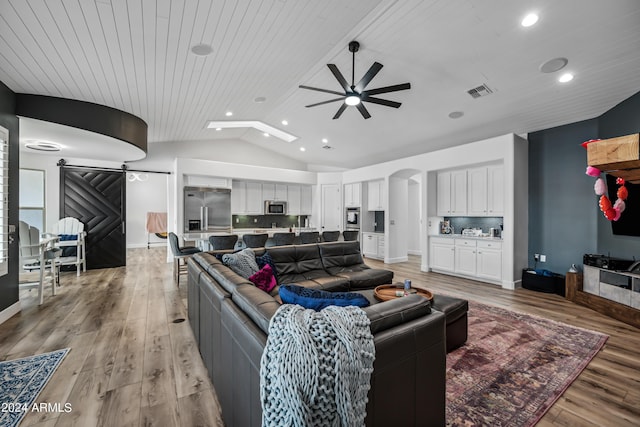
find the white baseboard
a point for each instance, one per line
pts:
(9, 312)
(397, 259)
(416, 252)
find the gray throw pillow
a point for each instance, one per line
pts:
(243, 262)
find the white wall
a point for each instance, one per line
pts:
(414, 212)
(398, 220)
(142, 197)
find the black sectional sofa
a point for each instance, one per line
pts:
(230, 320)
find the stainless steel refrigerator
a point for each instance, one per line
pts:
(207, 209)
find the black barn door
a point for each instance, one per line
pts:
(97, 199)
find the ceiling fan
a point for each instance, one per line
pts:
(355, 94)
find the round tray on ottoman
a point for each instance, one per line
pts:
(388, 292)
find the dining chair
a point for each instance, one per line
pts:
(38, 254)
(180, 255)
(221, 242)
(71, 234)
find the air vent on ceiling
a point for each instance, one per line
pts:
(479, 91)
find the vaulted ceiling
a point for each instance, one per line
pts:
(135, 55)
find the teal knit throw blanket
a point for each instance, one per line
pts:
(316, 367)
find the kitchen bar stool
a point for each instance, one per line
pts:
(282, 239)
(330, 236)
(309, 237)
(227, 241)
(255, 240)
(349, 235)
(180, 253)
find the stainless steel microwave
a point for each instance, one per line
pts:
(273, 207)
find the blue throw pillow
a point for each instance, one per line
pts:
(64, 237)
(317, 299)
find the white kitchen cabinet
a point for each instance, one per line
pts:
(294, 199)
(451, 193)
(477, 192)
(489, 260)
(255, 205)
(465, 262)
(274, 192)
(443, 194)
(495, 190)
(375, 195)
(306, 200)
(246, 198)
(442, 253)
(373, 245)
(352, 195)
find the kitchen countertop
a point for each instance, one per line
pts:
(242, 231)
(460, 236)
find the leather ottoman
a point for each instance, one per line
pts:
(455, 312)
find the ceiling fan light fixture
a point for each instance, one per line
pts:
(352, 100)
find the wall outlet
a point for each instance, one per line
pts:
(255, 219)
(543, 258)
(536, 257)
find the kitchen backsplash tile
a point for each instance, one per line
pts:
(266, 221)
(485, 223)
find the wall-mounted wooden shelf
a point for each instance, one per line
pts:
(617, 156)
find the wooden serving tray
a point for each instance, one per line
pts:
(388, 292)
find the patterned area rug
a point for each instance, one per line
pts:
(22, 380)
(513, 367)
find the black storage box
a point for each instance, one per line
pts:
(553, 284)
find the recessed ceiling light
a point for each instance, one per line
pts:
(202, 49)
(43, 145)
(284, 122)
(260, 99)
(529, 20)
(456, 114)
(553, 65)
(218, 129)
(325, 141)
(303, 149)
(567, 77)
(229, 113)
(266, 135)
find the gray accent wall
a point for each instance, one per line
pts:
(563, 208)
(564, 219)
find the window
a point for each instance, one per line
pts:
(4, 195)
(32, 198)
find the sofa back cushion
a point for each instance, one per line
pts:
(258, 305)
(295, 260)
(340, 256)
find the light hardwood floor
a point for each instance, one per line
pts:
(131, 365)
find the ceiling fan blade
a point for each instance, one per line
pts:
(370, 74)
(325, 102)
(386, 89)
(385, 102)
(321, 90)
(340, 111)
(338, 75)
(363, 111)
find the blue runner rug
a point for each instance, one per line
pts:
(22, 380)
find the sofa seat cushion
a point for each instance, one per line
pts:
(317, 299)
(367, 278)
